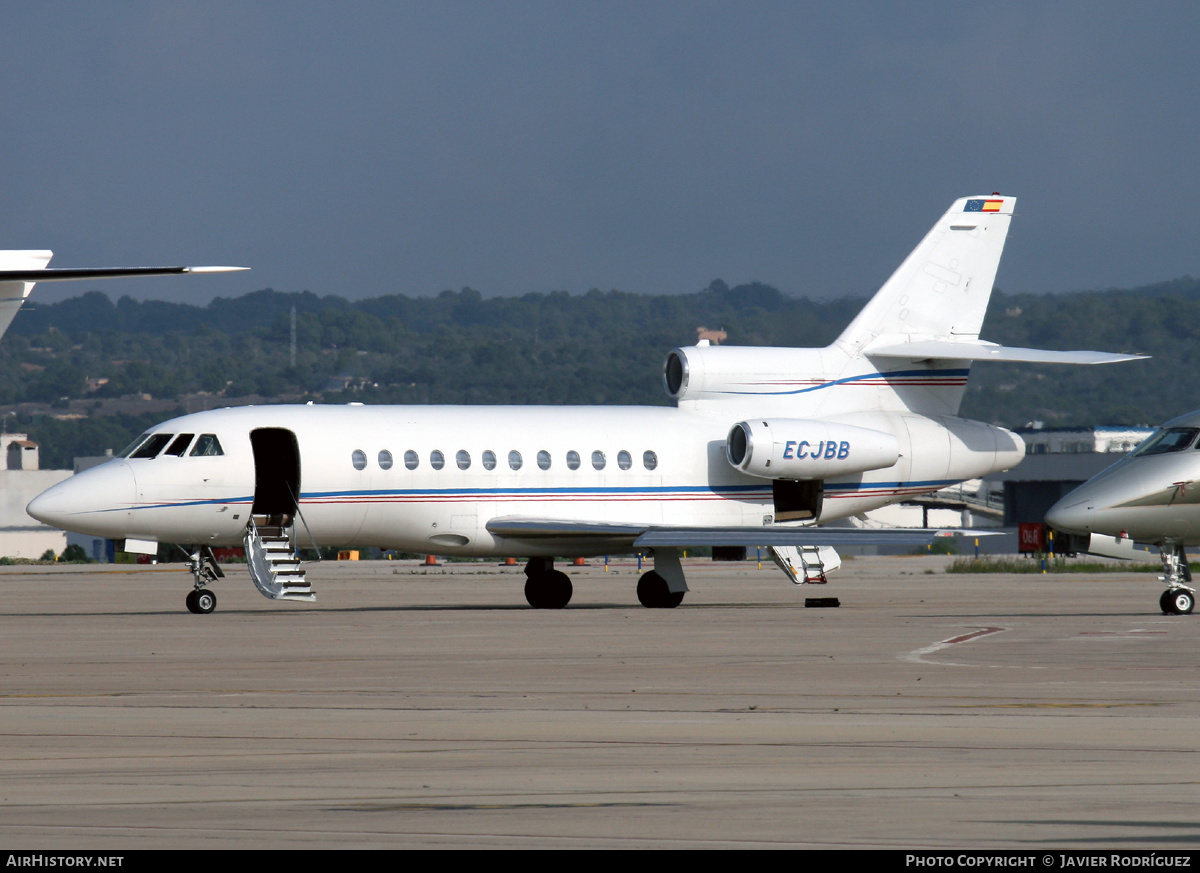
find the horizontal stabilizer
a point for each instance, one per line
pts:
(958, 350)
(650, 536)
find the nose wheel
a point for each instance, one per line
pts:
(1177, 601)
(205, 570)
(201, 601)
(1180, 597)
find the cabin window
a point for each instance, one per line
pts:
(1167, 440)
(624, 460)
(543, 457)
(598, 459)
(436, 459)
(463, 459)
(359, 459)
(207, 445)
(649, 460)
(489, 459)
(411, 460)
(125, 452)
(572, 460)
(178, 447)
(385, 460)
(514, 459)
(152, 446)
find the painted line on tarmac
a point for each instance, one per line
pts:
(917, 656)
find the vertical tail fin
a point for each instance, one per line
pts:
(941, 290)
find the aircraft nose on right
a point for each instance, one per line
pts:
(1073, 514)
(85, 502)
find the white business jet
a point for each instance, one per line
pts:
(764, 445)
(20, 270)
(1150, 496)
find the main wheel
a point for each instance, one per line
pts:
(653, 592)
(204, 600)
(1165, 602)
(1182, 601)
(549, 590)
(191, 602)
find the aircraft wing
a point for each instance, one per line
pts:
(978, 350)
(20, 269)
(73, 273)
(650, 536)
(779, 535)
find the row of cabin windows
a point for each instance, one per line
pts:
(462, 459)
(153, 445)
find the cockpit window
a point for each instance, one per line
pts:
(125, 452)
(180, 444)
(207, 444)
(151, 447)
(1167, 440)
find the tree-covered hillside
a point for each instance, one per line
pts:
(87, 374)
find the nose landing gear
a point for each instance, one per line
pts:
(205, 570)
(1180, 596)
(201, 601)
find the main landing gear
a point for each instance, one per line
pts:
(660, 588)
(1180, 596)
(545, 587)
(664, 586)
(653, 592)
(205, 570)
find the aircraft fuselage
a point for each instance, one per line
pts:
(431, 478)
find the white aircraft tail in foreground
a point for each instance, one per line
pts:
(763, 447)
(20, 270)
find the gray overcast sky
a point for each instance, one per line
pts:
(366, 148)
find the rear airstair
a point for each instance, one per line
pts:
(806, 564)
(274, 564)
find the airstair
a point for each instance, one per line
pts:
(806, 564)
(274, 564)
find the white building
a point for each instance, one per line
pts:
(1081, 440)
(20, 482)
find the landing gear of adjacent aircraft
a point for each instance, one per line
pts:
(1180, 597)
(545, 587)
(653, 592)
(201, 601)
(1177, 601)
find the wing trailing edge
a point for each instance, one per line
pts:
(663, 536)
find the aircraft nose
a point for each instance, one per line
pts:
(1072, 514)
(86, 502)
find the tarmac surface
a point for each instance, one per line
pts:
(412, 708)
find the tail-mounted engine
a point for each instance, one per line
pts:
(803, 449)
(700, 371)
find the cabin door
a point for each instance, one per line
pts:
(276, 471)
